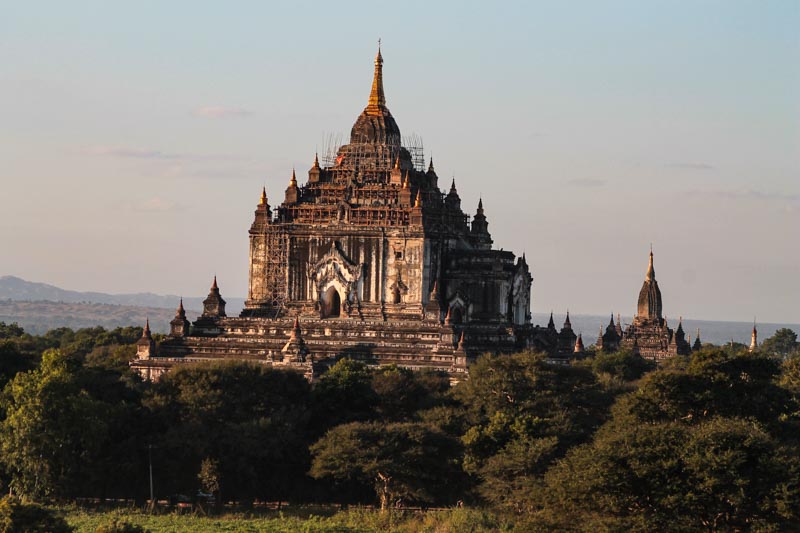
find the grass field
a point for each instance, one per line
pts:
(303, 520)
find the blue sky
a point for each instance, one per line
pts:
(135, 137)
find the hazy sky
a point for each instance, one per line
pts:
(135, 137)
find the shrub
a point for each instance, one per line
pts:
(120, 526)
(18, 517)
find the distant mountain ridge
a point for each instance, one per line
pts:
(38, 317)
(18, 289)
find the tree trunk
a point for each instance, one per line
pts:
(384, 492)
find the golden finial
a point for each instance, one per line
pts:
(377, 99)
(293, 181)
(263, 196)
(651, 273)
(418, 201)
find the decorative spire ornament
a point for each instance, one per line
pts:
(377, 99)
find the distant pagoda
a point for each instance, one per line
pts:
(649, 335)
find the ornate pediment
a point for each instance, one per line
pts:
(336, 270)
(335, 264)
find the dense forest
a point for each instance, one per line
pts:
(705, 442)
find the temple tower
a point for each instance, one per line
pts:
(754, 338)
(649, 307)
(146, 346)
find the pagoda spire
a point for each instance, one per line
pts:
(579, 348)
(295, 351)
(296, 329)
(452, 199)
(377, 99)
(293, 180)
(649, 305)
(263, 200)
(146, 346)
(214, 304)
(754, 338)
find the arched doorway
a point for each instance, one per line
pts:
(331, 303)
(456, 316)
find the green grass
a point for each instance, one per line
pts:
(299, 520)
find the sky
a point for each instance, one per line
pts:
(135, 137)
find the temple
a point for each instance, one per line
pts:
(649, 334)
(368, 259)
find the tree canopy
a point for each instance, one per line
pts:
(709, 441)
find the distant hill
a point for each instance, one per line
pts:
(38, 317)
(18, 289)
(38, 307)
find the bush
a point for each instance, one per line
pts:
(120, 526)
(17, 517)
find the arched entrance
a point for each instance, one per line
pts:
(456, 316)
(331, 303)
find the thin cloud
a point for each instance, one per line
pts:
(790, 202)
(586, 183)
(156, 204)
(152, 154)
(691, 166)
(133, 153)
(221, 112)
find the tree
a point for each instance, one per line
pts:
(401, 392)
(251, 419)
(411, 461)
(705, 447)
(12, 361)
(343, 394)
(52, 430)
(8, 331)
(724, 474)
(715, 383)
(524, 414)
(624, 365)
(783, 343)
